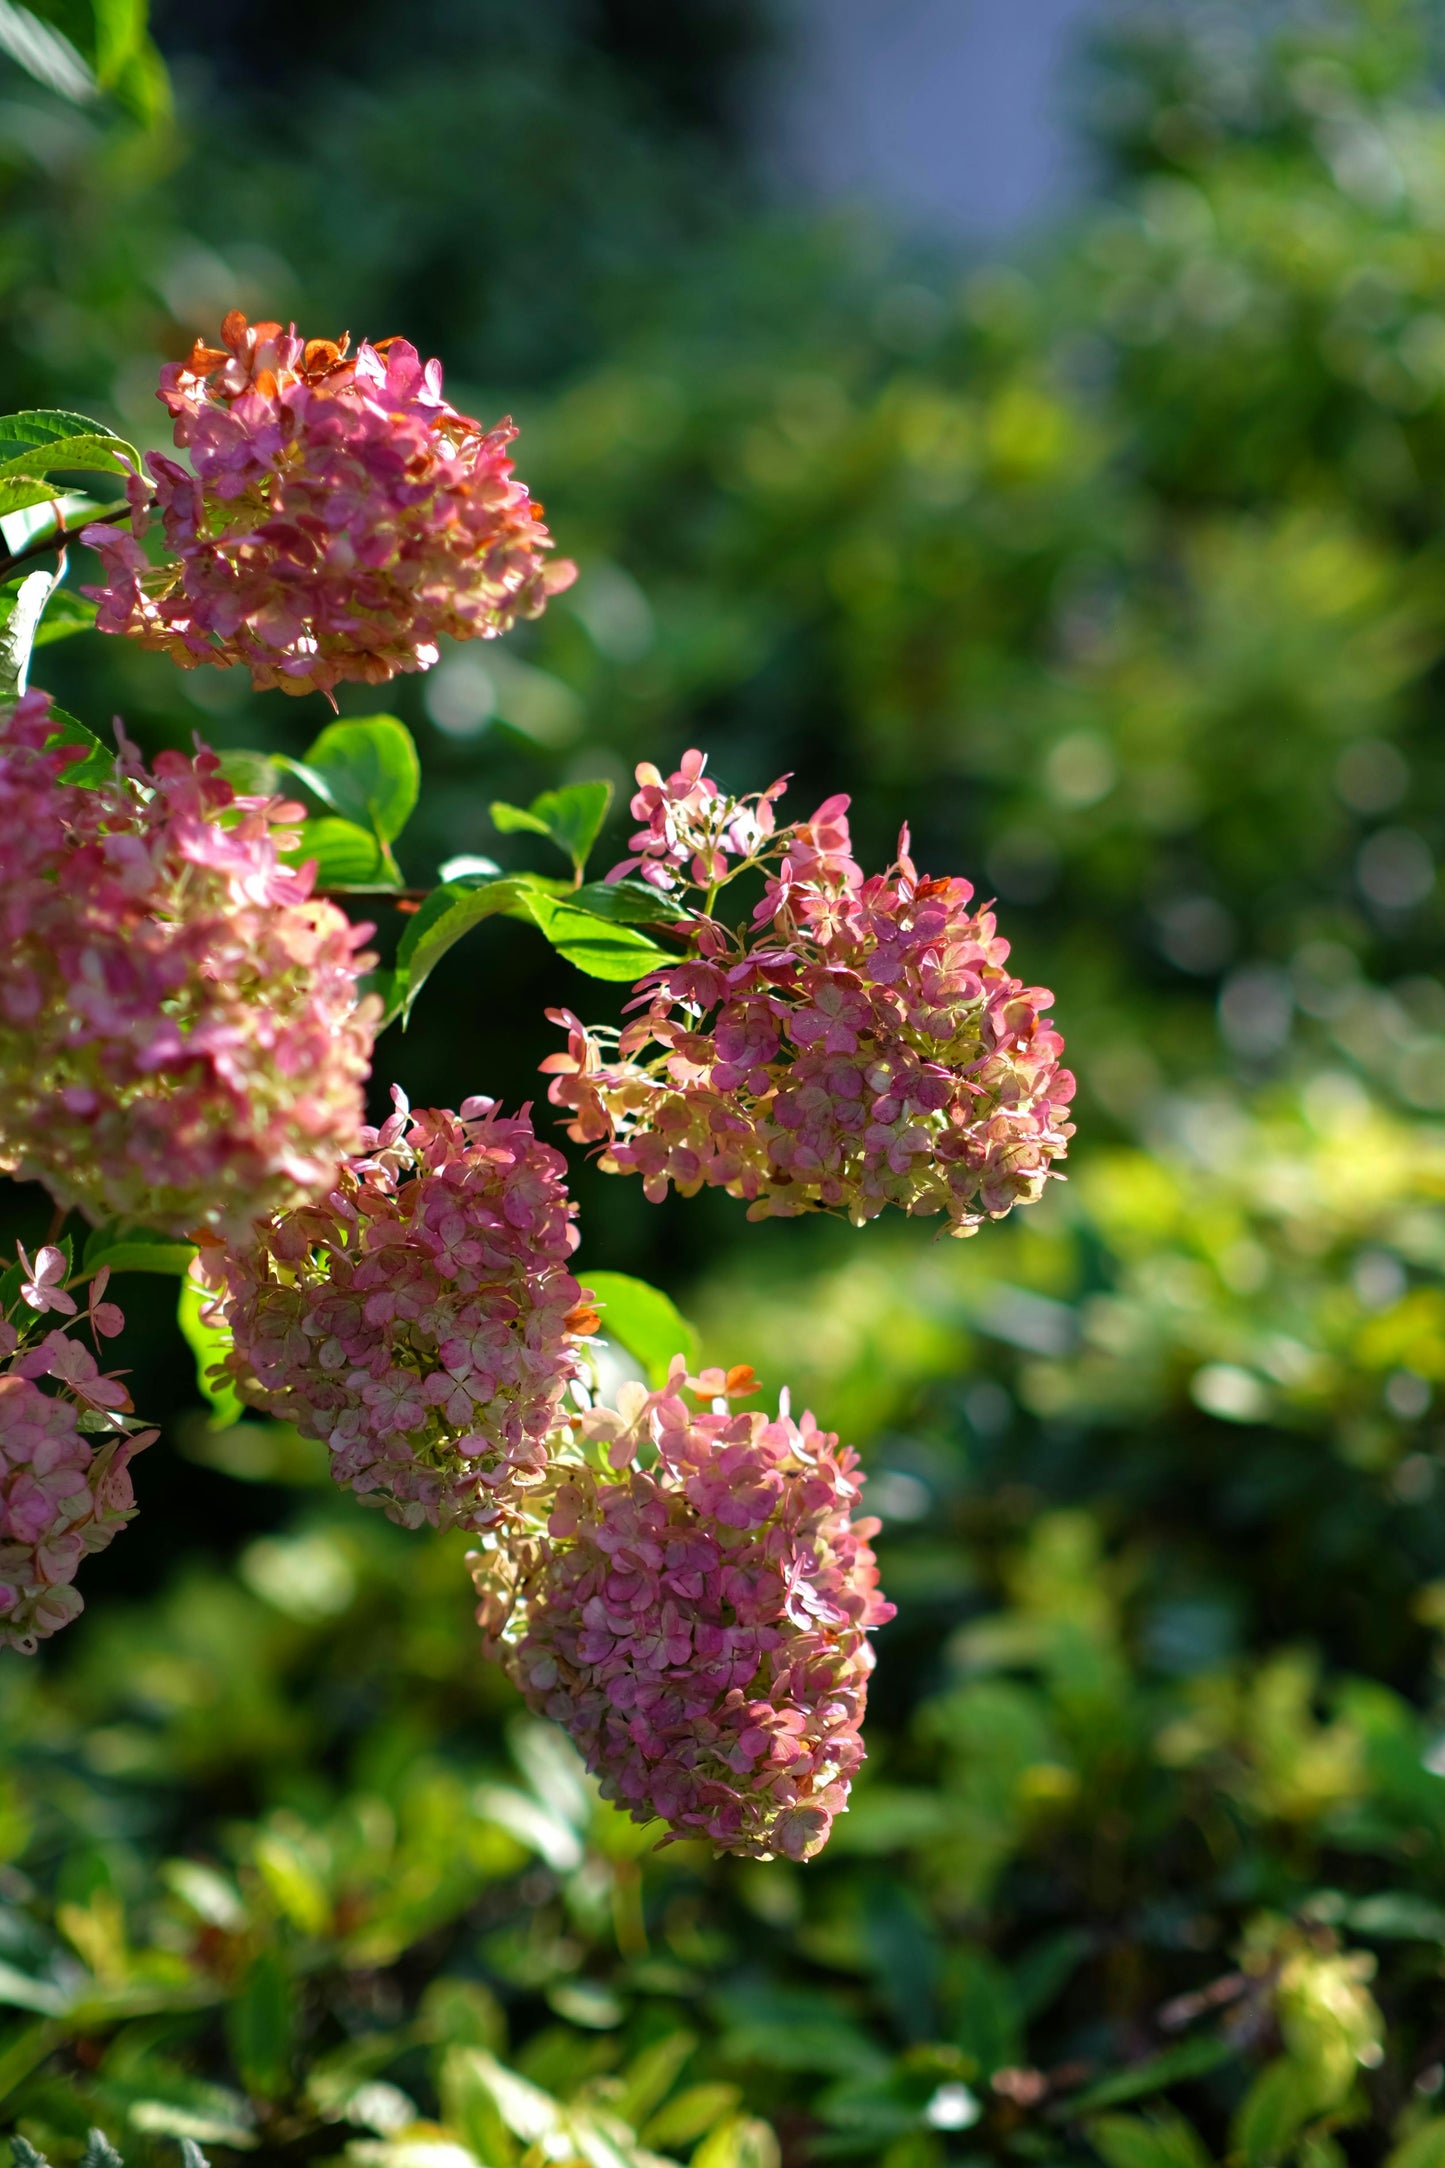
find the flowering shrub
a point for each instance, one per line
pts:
(341, 517)
(62, 1494)
(182, 1039)
(695, 1612)
(860, 1044)
(183, 1043)
(422, 1320)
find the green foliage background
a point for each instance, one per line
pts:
(1117, 568)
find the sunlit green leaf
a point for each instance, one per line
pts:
(601, 949)
(448, 913)
(366, 770)
(346, 856)
(571, 817)
(643, 1320)
(64, 454)
(210, 1344)
(47, 426)
(134, 1249)
(634, 902)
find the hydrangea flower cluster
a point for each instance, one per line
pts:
(695, 1611)
(860, 1045)
(65, 1487)
(341, 516)
(422, 1321)
(182, 1039)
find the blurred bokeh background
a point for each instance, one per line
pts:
(1031, 420)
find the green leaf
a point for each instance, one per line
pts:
(632, 901)
(65, 613)
(52, 425)
(210, 1344)
(19, 491)
(93, 764)
(250, 774)
(24, 2155)
(744, 2142)
(571, 817)
(367, 771)
(134, 1249)
(260, 2027)
(643, 1320)
(448, 913)
(691, 2115)
(1163, 2140)
(1424, 2148)
(64, 455)
(18, 1991)
(1392, 1913)
(599, 947)
(17, 634)
(467, 866)
(650, 2077)
(1190, 2059)
(191, 2155)
(99, 2152)
(346, 856)
(81, 49)
(1272, 2112)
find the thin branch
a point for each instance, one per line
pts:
(58, 539)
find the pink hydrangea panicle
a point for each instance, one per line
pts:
(860, 1044)
(690, 830)
(183, 1038)
(341, 516)
(695, 1609)
(65, 1453)
(422, 1320)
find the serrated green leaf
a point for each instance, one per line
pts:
(601, 948)
(643, 1320)
(210, 1344)
(191, 2155)
(134, 1249)
(448, 913)
(260, 2027)
(50, 425)
(366, 770)
(21, 491)
(93, 764)
(24, 2155)
(571, 817)
(104, 455)
(634, 902)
